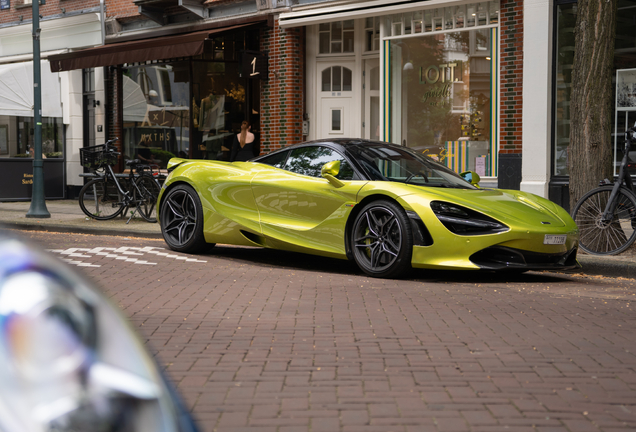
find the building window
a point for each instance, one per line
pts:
(372, 34)
(624, 60)
(442, 93)
(444, 19)
(89, 80)
(336, 37)
(337, 79)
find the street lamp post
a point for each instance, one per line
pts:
(38, 204)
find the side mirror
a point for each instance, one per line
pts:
(330, 170)
(471, 177)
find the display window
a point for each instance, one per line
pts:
(441, 91)
(623, 87)
(190, 108)
(17, 137)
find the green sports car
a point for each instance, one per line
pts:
(384, 206)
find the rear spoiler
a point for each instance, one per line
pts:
(175, 162)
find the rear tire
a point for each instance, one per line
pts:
(100, 199)
(382, 240)
(182, 220)
(611, 238)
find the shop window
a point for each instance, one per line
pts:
(441, 91)
(17, 137)
(565, 22)
(156, 112)
(624, 113)
(336, 37)
(337, 79)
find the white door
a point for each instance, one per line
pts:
(336, 117)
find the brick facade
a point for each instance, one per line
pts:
(511, 64)
(282, 97)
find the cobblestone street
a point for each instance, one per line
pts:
(260, 340)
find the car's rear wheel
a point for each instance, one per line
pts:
(182, 220)
(382, 241)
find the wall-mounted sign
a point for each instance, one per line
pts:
(255, 65)
(5, 4)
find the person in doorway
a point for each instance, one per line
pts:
(244, 146)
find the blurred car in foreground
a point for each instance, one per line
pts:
(386, 207)
(70, 360)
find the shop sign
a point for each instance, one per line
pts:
(156, 137)
(440, 77)
(255, 65)
(5, 4)
(17, 177)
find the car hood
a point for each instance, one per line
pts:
(503, 205)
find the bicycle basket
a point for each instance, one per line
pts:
(97, 156)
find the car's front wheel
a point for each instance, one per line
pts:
(382, 241)
(181, 217)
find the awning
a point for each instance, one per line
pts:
(304, 16)
(159, 48)
(16, 90)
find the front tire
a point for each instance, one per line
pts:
(605, 238)
(182, 220)
(382, 240)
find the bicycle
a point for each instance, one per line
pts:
(606, 216)
(105, 198)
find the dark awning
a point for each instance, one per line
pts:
(159, 48)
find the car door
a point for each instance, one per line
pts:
(300, 207)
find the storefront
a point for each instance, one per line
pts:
(420, 75)
(16, 103)
(183, 95)
(16, 132)
(441, 84)
(623, 89)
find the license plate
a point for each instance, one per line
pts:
(554, 239)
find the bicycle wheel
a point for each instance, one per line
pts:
(100, 199)
(611, 237)
(145, 194)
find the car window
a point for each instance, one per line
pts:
(393, 163)
(310, 160)
(276, 159)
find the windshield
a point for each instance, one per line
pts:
(401, 164)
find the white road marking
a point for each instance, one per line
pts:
(123, 253)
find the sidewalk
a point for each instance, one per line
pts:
(66, 216)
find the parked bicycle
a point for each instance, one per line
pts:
(606, 216)
(106, 196)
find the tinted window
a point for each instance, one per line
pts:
(276, 160)
(401, 164)
(309, 161)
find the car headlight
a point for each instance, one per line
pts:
(70, 360)
(463, 221)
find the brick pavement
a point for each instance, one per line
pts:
(269, 341)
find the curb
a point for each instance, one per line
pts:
(607, 267)
(79, 230)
